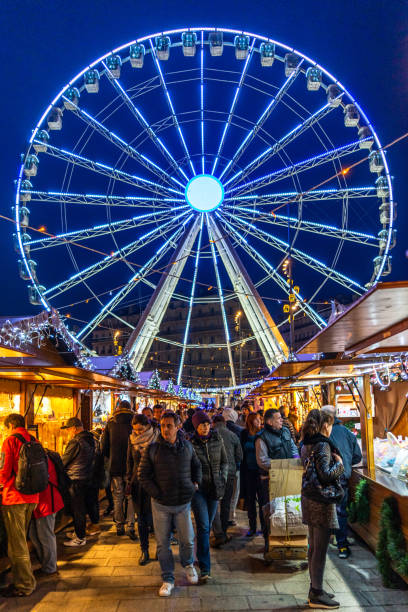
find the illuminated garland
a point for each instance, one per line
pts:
(124, 370)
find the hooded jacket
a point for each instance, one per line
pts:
(168, 471)
(79, 456)
(348, 446)
(214, 462)
(114, 441)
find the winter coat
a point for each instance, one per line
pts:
(114, 441)
(10, 453)
(79, 456)
(273, 444)
(213, 458)
(232, 446)
(287, 423)
(328, 469)
(140, 497)
(168, 471)
(236, 429)
(348, 446)
(50, 500)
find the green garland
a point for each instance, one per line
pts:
(359, 508)
(391, 547)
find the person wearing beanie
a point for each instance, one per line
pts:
(211, 453)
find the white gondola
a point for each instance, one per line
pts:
(351, 115)
(54, 119)
(42, 137)
(365, 137)
(25, 239)
(26, 186)
(163, 47)
(24, 215)
(189, 40)
(31, 165)
(381, 184)
(241, 44)
(137, 54)
(267, 53)
(91, 80)
(34, 295)
(383, 238)
(314, 78)
(385, 213)
(387, 265)
(334, 94)
(72, 96)
(376, 162)
(24, 275)
(216, 41)
(291, 63)
(114, 64)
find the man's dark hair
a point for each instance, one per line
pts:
(218, 418)
(124, 405)
(140, 419)
(169, 414)
(15, 420)
(147, 408)
(269, 414)
(190, 412)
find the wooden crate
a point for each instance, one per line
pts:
(282, 549)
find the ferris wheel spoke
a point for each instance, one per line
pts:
(106, 170)
(104, 229)
(131, 284)
(273, 274)
(115, 257)
(191, 302)
(99, 199)
(294, 169)
(143, 122)
(280, 144)
(120, 143)
(233, 106)
(202, 103)
(171, 107)
(322, 229)
(314, 195)
(261, 120)
(221, 298)
(308, 260)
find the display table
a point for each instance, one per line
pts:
(381, 485)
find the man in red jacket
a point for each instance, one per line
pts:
(17, 509)
(41, 530)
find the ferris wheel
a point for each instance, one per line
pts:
(195, 164)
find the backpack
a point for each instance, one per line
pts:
(32, 471)
(62, 478)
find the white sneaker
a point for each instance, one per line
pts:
(166, 589)
(191, 574)
(75, 542)
(70, 535)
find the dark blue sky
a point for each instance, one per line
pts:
(364, 43)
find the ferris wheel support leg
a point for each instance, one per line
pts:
(141, 339)
(268, 336)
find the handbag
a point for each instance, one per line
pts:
(312, 488)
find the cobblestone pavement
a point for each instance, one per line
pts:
(104, 576)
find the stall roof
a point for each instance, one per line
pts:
(378, 321)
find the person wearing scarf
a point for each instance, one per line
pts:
(143, 434)
(319, 517)
(211, 452)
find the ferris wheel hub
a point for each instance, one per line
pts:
(204, 193)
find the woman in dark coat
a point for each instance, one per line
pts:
(210, 450)
(250, 482)
(143, 434)
(320, 518)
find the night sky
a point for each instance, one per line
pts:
(364, 44)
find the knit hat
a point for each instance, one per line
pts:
(229, 414)
(200, 416)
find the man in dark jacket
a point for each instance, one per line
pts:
(346, 442)
(234, 454)
(273, 442)
(78, 460)
(170, 473)
(114, 445)
(231, 418)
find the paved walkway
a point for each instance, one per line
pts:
(104, 576)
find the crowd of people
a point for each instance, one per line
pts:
(159, 469)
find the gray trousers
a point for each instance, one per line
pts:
(42, 536)
(235, 496)
(119, 498)
(318, 545)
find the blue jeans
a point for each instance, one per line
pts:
(163, 517)
(204, 510)
(341, 532)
